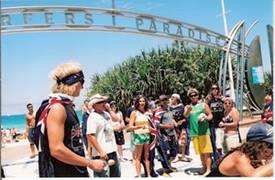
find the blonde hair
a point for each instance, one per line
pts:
(62, 71)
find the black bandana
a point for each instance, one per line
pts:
(72, 78)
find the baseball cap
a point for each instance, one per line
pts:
(260, 132)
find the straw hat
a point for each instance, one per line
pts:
(97, 98)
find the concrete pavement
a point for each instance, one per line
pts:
(26, 167)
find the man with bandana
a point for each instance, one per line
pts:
(58, 132)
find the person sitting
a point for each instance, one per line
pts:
(253, 158)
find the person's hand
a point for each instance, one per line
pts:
(171, 125)
(189, 108)
(181, 121)
(221, 124)
(107, 107)
(208, 98)
(103, 156)
(202, 117)
(96, 165)
(175, 124)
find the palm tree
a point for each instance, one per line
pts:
(162, 71)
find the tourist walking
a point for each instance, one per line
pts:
(30, 128)
(61, 150)
(198, 114)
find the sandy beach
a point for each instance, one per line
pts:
(14, 151)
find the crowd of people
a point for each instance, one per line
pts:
(10, 135)
(163, 128)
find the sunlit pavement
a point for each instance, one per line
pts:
(27, 167)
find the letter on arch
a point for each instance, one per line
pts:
(69, 18)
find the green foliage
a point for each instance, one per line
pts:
(163, 71)
(268, 82)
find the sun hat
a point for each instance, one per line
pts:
(97, 98)
(260, 132)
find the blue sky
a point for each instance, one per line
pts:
(28, 58)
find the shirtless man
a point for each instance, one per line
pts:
(30, 123)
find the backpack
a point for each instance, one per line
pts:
(37, 116)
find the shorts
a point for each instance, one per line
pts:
(202, 144)
(219, 138)
(119, 136)
(31, 135)
(140, 139)
(231, 141)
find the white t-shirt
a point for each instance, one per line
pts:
(100, 125)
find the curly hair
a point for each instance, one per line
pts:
(136, 104)
(252, 149)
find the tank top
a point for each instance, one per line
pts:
(198, 128)
(73, 141)
(216, 106)
(142, 119)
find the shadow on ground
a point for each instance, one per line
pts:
(194, 171)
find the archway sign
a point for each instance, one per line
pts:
(22, 19)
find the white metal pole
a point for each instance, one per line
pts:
(230, 71)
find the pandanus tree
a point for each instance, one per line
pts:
(163, 71)
(268, 83)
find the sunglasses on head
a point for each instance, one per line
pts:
(193, 95)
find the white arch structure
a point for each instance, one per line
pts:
(23, 19)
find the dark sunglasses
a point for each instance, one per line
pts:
(82, 81)
(214, 88)
(193, 95)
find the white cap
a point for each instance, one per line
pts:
(176, 96)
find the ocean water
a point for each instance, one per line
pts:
(19, 121)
